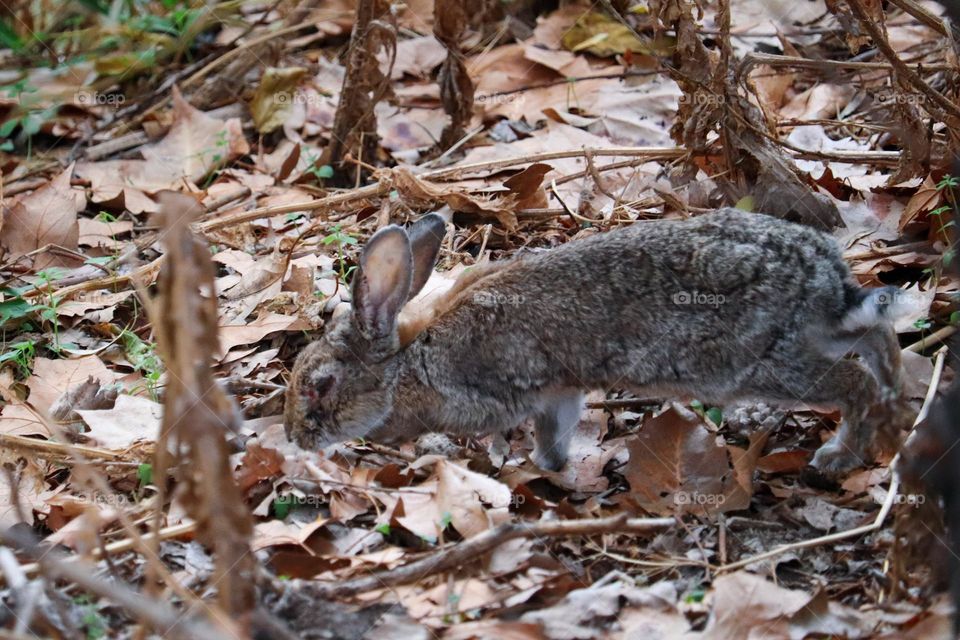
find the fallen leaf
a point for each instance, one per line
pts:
(195, 145)
(273, 100)
(28, 483)
(267, 323)
(19, 420)
(677, 466)
(604, 36)
(46, 216)
(747, 606)
(52, 378)
(474, 502)
(133, 418)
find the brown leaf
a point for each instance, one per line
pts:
(474, 502)
(784, 461)
(747, 606)
(19, 420)
(195, 145)
(925, 199)
(677, 466)
(267, 323)
(27, 481)
(272, 102)
(46, 216)
(89, 394)
(527, 182)
(258, 463)
(420, 191)
(51, 378)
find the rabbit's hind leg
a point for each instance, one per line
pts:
(554, 424)
(815, 379)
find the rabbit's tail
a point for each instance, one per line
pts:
(876, 307)
(867, 330)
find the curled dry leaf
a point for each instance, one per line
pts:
(273, 100)
(522, 189)
(89, 394)
(52, 378)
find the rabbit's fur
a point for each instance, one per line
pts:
(721, 307)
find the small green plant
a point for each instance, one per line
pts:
(319, 171)
(714, 414)
(340, 238)
(49, 310)
(145, 474)
(22, 354)
(15, 307)
(93, 621)
(143, 356)
(27, 115)
(946, 184)
(282, 506)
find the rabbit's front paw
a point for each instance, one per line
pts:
(437, 444)
(833, 459)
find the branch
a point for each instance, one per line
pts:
(470, 550)
(903, 72)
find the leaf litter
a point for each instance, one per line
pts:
(148, 429)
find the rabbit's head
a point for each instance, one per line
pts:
(343, 385)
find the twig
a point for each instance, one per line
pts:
(51, 448)
(471, 550)
(921, 14)
(754, 59)
(884, 509)
(127, 544)
(156, 613)
(892, 250)
(904, 73)
(936, 337)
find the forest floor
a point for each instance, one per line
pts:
(672, 518)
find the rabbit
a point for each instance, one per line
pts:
(726, 306)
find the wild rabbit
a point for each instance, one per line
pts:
(721, 307)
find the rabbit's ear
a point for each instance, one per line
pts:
(382, 283)
(426, 235)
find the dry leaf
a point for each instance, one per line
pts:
(132, 418)
(273, 100)
(46, 216)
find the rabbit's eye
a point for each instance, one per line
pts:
(318, 389)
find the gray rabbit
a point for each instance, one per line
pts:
(721, 307)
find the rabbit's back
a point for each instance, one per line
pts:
(688, 305)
